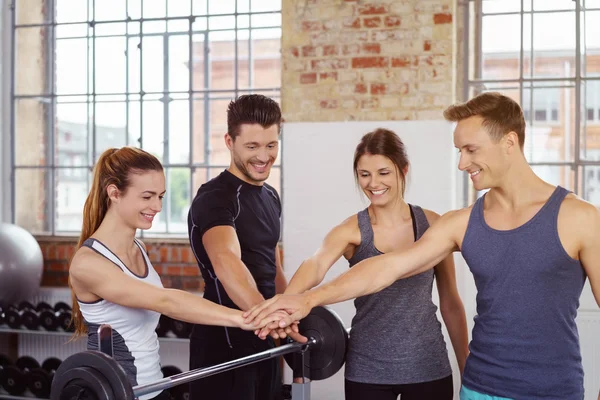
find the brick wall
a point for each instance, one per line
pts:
(173, 260)
(368, 60)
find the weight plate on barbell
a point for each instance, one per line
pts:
(328, 355)
(94, 372)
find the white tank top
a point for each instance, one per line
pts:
(135, 343)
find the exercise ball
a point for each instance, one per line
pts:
(21, 264)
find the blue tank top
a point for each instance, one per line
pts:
(525, 343)
(396, 337)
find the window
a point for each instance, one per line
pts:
(592, 102)
(89, 75)
(545, 104)
(553, 73)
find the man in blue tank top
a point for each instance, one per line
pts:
(530, 246)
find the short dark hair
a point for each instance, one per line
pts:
(385, 143)
(500, 114)
(252, 109)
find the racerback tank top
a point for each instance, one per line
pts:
(135, 342)
(396, 337)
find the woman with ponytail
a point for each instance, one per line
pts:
(111, 277)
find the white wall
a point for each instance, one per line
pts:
(319, 192)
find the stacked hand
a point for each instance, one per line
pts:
(279, 316)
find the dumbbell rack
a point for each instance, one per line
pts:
(41, 343)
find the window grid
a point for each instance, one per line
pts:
(206, 95)
(528, 82)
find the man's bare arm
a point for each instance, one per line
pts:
(376, 273)
(589, 255)
(223, 249)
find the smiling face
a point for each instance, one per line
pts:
(380, 179)
(253, 152)
(483, 158)
(141, 201)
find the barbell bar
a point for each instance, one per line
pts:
(186, 377)
(101, 376)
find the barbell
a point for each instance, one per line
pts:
(96, 375)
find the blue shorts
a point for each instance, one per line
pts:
(468, 394)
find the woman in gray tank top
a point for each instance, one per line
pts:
(396, 342)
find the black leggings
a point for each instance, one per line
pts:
(441, 389)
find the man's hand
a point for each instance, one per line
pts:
(296, 306)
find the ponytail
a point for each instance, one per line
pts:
(94, 210)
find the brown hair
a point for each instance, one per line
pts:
(252, 109)
(386, 143)
(112, 168)
(500, 114)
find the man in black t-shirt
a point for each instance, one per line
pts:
(234, 229)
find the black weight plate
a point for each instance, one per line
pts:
(29, 320)
(85, 383)
(51, 364)
(164, 326)
(100, 368)
(180, 392)
(12, 318)
(27, 362)
(25, 305)
(328, 355)
(48, 320)
(42, 305)
(13, 380)
(181, 329)
(170, 370)
(62, 306)
(64, 321)
(4, 360)
(38, 382)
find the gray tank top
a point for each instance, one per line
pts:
(396, 337)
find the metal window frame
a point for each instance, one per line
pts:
(91, 98)
(531, 82)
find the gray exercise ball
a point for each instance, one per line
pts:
(21, 264)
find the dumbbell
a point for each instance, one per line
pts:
(4, 362)
(23, 315)
(48, 316)
(64, 316)
(14, 377)
(164, 326)
(181, 329)
(39, 380)
(180, 392)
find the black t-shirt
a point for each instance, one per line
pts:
(254, 212)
